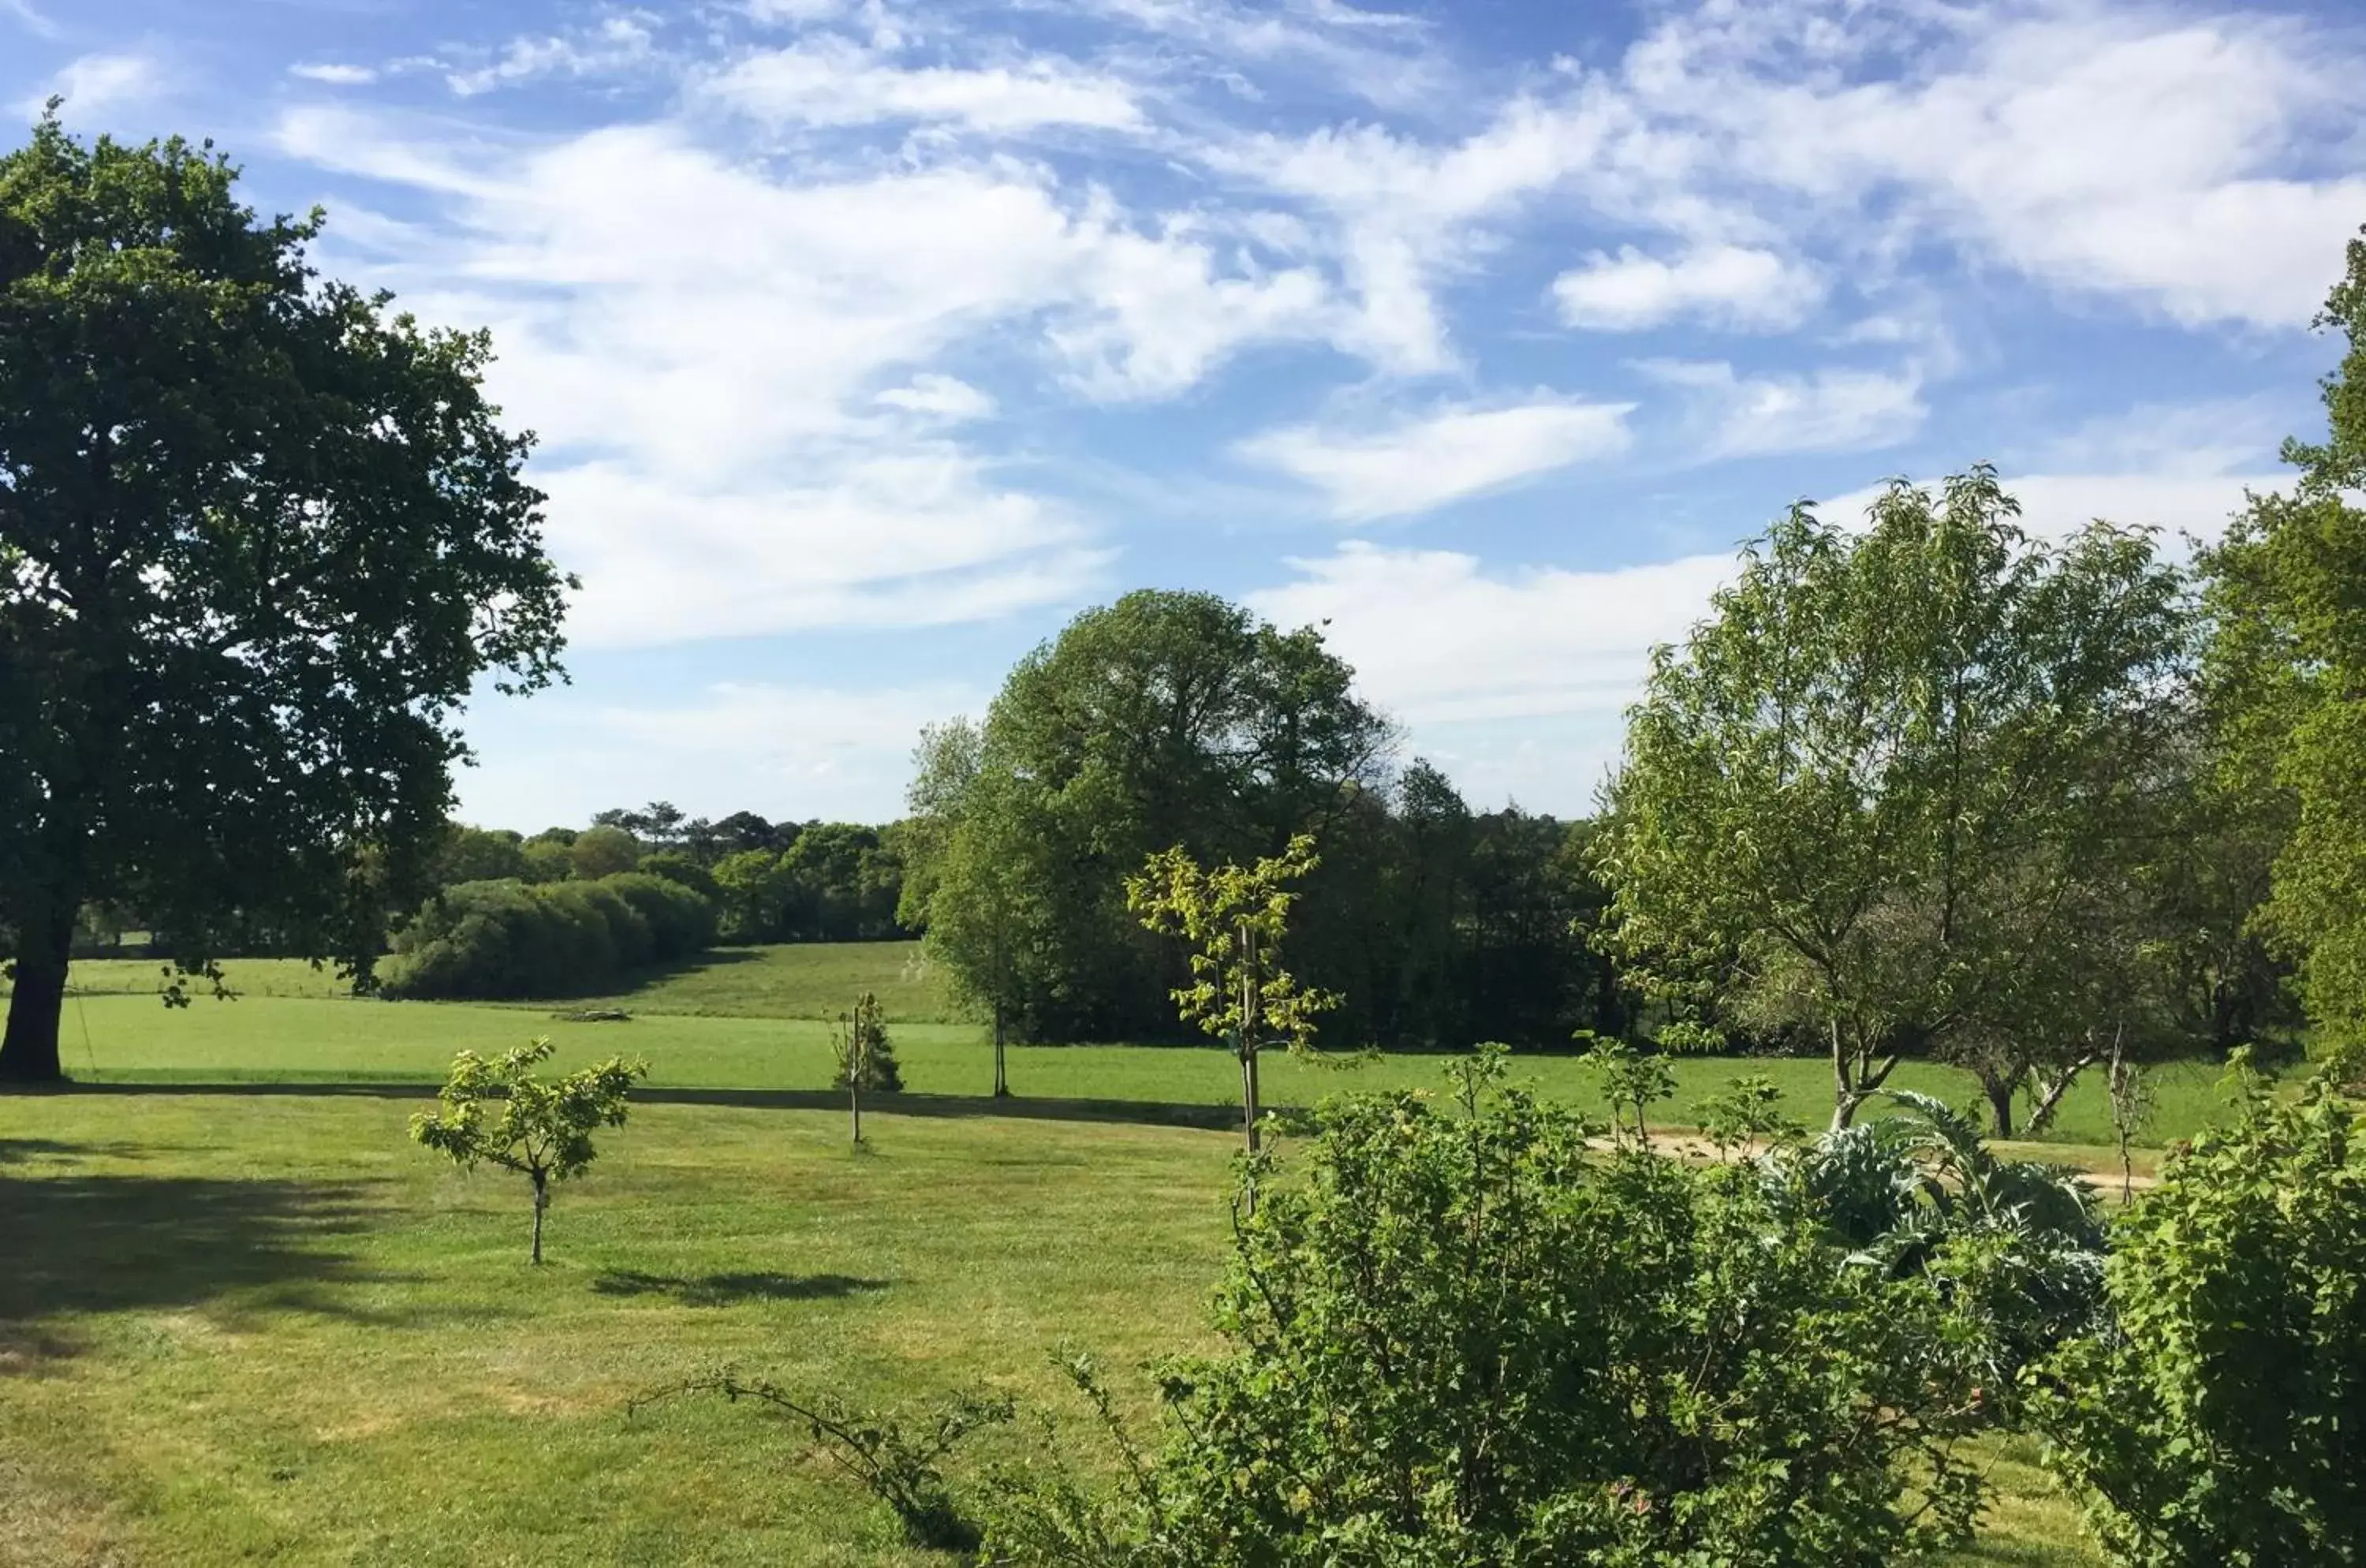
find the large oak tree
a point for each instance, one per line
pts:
(258, 540)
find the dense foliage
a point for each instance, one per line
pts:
(503, 1113)
(1177, 721)
(258, 542)
(1891, 793)
(2221, 1417)
(1466, 1338)
(2288, 679)
(515, 939)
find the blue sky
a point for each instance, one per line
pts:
(868, 341)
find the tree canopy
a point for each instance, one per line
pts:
(2287, 679)
(1868, 792)
(259, 539)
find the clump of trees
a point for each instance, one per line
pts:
(1925, 790)
(1178, 720)
(501, 1112)
(260, 538)
(786, 882)
(515, 939)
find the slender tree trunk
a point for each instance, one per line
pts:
(1001, 1083)
(541, 1203)
(854, 1103)
(1999, 1090)
(1845, 1095)
(29, 1052)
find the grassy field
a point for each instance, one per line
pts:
(257, 1038)
(755, 1018)
(815, 981)
(246, 1329)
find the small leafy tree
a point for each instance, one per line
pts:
(500, 1113)
(1632, 1081)
(866, 1058)
(1747, 1110)
(2223, 1418)
(1236, 917)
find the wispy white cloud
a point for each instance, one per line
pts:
(941, 396)
(617, 43)
(1832, 410)
(1418, 465)
(99, 84)
(30, 17)
(787, 751)
(335, 75)
(833, 81)
(1737, 287)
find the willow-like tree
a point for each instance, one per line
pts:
(1870, 793)
(258, 541)
(1234, 919)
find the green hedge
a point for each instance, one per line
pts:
(511, 939)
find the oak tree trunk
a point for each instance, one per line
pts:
(29, 1052)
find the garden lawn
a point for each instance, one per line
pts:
(263, 1038)
(271, 1330)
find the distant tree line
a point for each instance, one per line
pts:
(767, 881)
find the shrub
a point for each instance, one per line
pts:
(508, 939)
(678, 865)
(679, 921)
(1470, 1338)
(2220, 1419)
(2017, 1246)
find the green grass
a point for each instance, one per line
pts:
(297, 1040)
(270, 1330)
(812, 980)
(755, 1018)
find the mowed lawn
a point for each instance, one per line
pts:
(268, 1329)
(758, 1018)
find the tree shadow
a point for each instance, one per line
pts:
(82, 1243)
(724, 1290)
(25, 1151)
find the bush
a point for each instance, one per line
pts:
(2017, 1246)
(1471, 1339)
(677, 865)
(509, 938)
(679, 921)
(2220, 1419)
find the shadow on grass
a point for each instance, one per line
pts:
(724, 1290)
(81, 1243)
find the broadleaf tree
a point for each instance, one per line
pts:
(1234, 919)
(501, 1112)
(1855, 803)
(2287, 678)
(259, 539)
